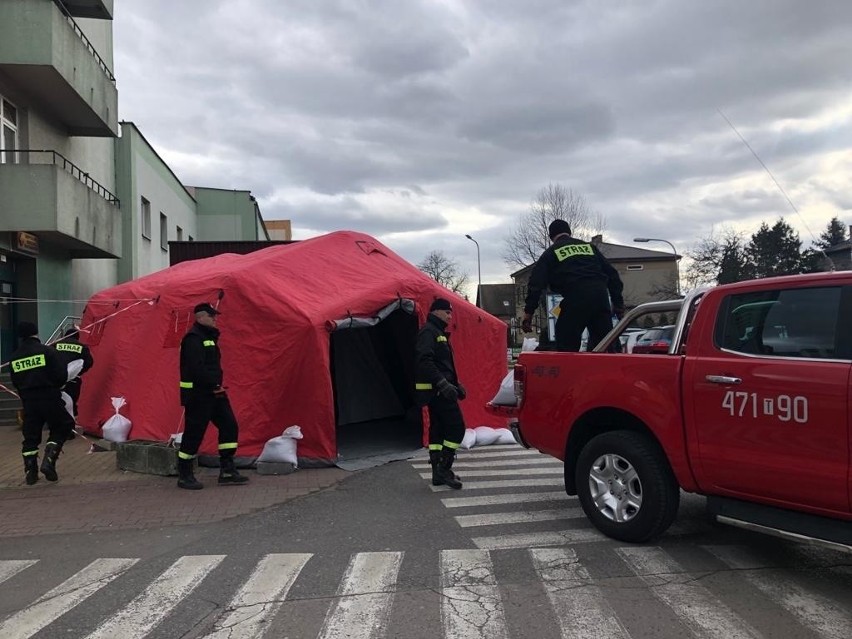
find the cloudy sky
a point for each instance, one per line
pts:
(418, 121)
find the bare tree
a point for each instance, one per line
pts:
(528, 238)
(718, 259)
(444, 270)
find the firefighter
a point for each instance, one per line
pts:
(204, 399)
(590, 287)
(437, 386)
(38, 373)
(70, 348)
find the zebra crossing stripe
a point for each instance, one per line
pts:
(495, 519)
(260, 598)
(502, 473)
(471, 607)
(364, 597)
(578, 603)
(159, 599)
(533, 540)
(696, 606)
(813, 611)
(504, 483)
(483, 453)
(64, 597)
(500, 463)
(507, 498)
(11, 567)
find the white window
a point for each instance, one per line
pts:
(146, 219)
(635, 267)
(8, 132)
(179, 234)
(164, 232)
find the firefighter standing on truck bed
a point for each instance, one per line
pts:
(578, 272)
(204, 399)
(437, 386)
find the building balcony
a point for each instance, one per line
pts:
(99, 9)
(44, 51)
(60, 204)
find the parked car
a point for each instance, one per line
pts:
(629, 339)
(655, 340)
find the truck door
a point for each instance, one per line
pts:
(768, 394)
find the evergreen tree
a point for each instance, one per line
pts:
(775, 251)
(834, 233)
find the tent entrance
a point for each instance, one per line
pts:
(372, 372)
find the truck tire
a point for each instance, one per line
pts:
(626, 486)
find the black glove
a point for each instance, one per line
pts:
(526, 324)
(462, 391)
(448, 391)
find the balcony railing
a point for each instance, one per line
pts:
(57, 159)
(85, 40)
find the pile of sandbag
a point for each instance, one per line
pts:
(506, 393)
(486, 436)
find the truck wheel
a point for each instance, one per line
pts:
(626, 486)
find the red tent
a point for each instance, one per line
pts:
(317, 333)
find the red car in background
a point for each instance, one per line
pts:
(656, 340)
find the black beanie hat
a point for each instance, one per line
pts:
(557, 227)
(440, 304)
(27, 329)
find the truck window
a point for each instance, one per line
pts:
(797, 322)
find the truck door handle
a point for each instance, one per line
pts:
(723, 379)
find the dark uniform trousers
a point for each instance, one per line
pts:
(584, 307)
(201, 409)
(446, 424)
(44, 406)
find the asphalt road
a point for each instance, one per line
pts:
(384, 555)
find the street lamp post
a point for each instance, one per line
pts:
(674, 250)
(478, 270)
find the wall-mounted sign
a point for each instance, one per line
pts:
(26, 242)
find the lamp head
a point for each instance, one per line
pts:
(641, 239)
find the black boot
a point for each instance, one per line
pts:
(435, 461)
(31, 469)
(48, 464)
(228, 472)
(186, 478)
(450, 479)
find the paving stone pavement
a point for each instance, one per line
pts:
(93, 494)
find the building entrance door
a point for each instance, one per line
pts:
(8, 316)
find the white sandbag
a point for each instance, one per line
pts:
(530, 344)
(74, 368)
(505, 436)
(469, 439)
(282, 448)
(485, 435)
(117, 427)
(69, 403)
(506, 394)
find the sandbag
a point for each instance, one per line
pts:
(506, 394)
(117, 427)
(505, 436)
(485, 435)
(282, 448)
(74, 368)
(69, 403)
(469, 439)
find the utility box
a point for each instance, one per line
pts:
(152, 458)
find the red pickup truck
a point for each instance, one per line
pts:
(750, 407)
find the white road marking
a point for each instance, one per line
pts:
(534, 540)
(365, 597)
(504, 483)
(260, 598)
(501, 463)
(471, 607)
(495, 519)
(579, 604)
(700, 610)
(11, 567)
(511, 451)
(148, 609)
(503, 473)
(813, 611)
(508, 498)
(55, 603)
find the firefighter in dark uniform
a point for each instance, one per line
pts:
(204, 400)
(38, 373)
(70, 348)
(591, 289)
(437, 386)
